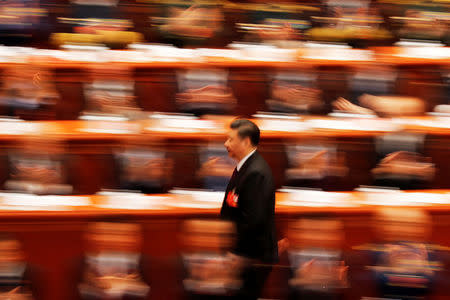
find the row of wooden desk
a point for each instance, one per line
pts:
(215, 127)
(89, 145)
(52, 236)
(420, 73)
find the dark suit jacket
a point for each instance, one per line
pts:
(253, 213)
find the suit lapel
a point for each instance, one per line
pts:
(247, 163)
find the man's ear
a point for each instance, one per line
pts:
(248, 143)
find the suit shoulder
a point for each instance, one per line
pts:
(260, 166)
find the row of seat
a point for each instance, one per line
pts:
(218, 23)
(157, 161)
(71, 93)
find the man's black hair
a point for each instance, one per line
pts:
(246, 128)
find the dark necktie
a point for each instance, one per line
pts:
(232, 179)
(235, 173)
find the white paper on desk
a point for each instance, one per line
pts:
(34, 208)
(222, 53)
(183, 125)
(81, 56)
(433, 52)
(19, 128)
(399, 198)
(172, 54)
(197, 199)
(428, 198)
(199, 195)
(342, 54)
(65, 200)
(443, 122)
(15, 54)
(116, 127)
(316, 204)
(122, 200)
(195, 204)
(355, 124)
(261, 52)
(27, 202)
(267, 53)
(125, 56)
(283, 125)
(15, 199)
(338, 114)
(297, 197)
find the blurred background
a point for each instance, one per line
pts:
(113, 116)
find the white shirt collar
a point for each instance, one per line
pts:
(242, 161)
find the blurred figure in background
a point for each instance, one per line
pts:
(39, 167)
(279, 24)
(204, 91)
(405, 264)
(316, 258)
(15, 272)
(112, 267)
(144, 168)
(383, 106)
(110, 92)
(295, 92)
(29, 93)
(417, 24)
(210, 272)
(216, 167)
(357, 23)
(314, 165)
(376, 80)
(190, 24)
(97, 22)
(401, 162)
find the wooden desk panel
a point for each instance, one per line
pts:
(53, 241)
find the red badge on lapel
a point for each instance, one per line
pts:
(232, 199)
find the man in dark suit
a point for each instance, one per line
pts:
(250, 203)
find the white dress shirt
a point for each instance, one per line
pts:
(242, 161)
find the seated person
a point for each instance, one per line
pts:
(279, 24)
(210, 272)
(401, 164)
(353, 22)
(15, 272)
(294, 93)
(316, 259)
(96, 22)
(417, 24)
(216, 167)
(111, 92)
(405, 264)
(383, 106)
(39, 168)
(28, 93)
(204, 92)
(314, 165)
(112, 266)
(190, 24)
(144, 169)
(373, 80)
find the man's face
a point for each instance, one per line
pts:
(235, 145)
